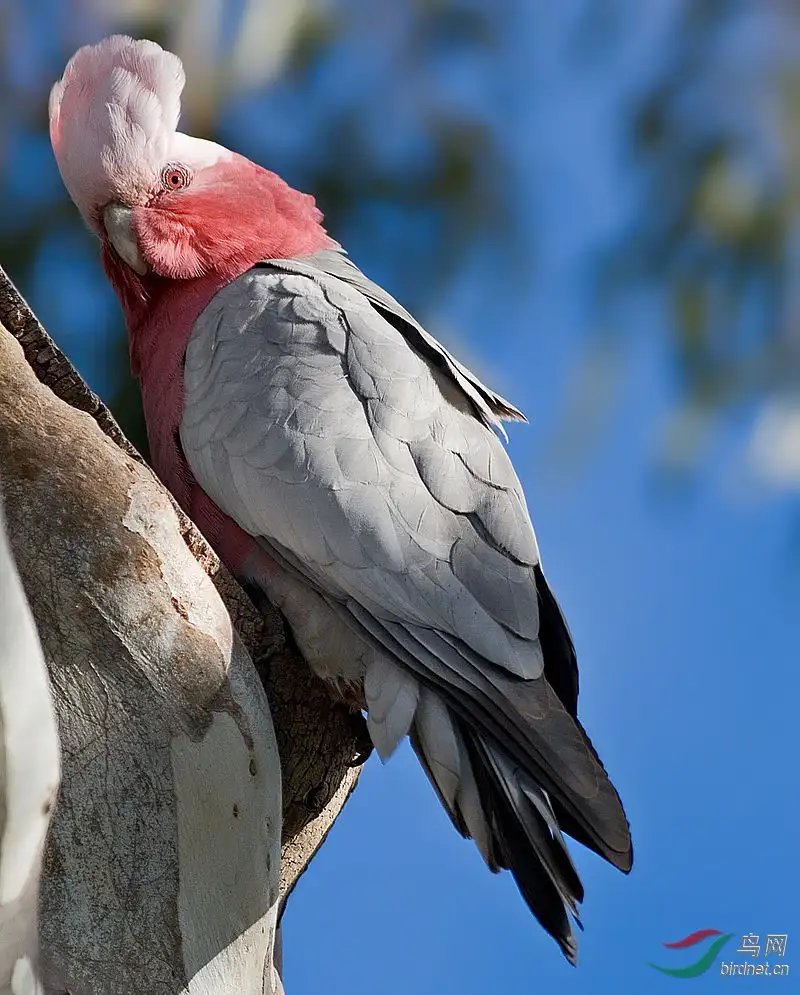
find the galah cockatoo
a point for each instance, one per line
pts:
(343, 462)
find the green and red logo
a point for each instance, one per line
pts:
(703, 963)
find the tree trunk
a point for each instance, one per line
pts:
(163, 869)
(29, 772)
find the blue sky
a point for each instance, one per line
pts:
(683, 612)
(683, 609)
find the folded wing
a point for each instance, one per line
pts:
(330, 426)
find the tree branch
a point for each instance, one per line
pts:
(29, 775)
(156, 698)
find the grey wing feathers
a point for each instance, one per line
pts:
(345, 451)
(490, 407)
(331, 427)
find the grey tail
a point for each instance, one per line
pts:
(513, 824)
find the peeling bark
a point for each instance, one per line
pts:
(162, 865)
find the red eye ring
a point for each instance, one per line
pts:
(175, 176)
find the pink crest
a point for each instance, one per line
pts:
(112, 117)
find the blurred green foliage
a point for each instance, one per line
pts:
(388, 111)
(414, 201)
(714, 145)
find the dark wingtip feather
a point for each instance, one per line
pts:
(538, 861)
(561, 672)
(558, 650)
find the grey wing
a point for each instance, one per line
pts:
(310, 420)
(313, 421)
(488, 406)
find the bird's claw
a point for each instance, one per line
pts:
(363, 744)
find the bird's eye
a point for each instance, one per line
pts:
(175, 177)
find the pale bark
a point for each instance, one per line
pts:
(162, 870)
(29, 773)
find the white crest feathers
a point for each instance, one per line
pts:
(113, 116)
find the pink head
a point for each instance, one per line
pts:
(166, 206)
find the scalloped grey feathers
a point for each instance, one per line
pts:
(363, 457)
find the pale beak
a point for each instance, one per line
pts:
(118, 222)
